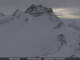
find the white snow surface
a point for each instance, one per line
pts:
(38, 37)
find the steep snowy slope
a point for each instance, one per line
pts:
(72, 37)
(37, 32)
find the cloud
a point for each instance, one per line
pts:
(67, 13)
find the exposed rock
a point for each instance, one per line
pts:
(62, 40)
(38, 10)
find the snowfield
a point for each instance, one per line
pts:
(38, 33)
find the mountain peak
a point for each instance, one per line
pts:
(37, 10)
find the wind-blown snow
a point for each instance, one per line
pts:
(23, 34)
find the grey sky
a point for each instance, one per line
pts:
(8, 6)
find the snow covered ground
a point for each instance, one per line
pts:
(25, 34)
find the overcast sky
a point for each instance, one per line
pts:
(8, 6)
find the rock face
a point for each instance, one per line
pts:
(38, 10)
(61, 39)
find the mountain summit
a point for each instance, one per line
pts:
(37, 10)
(40, 12)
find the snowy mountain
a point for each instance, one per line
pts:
(37, 31)
(40, 11)
(37, 10)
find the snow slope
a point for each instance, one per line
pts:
(38, 32)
